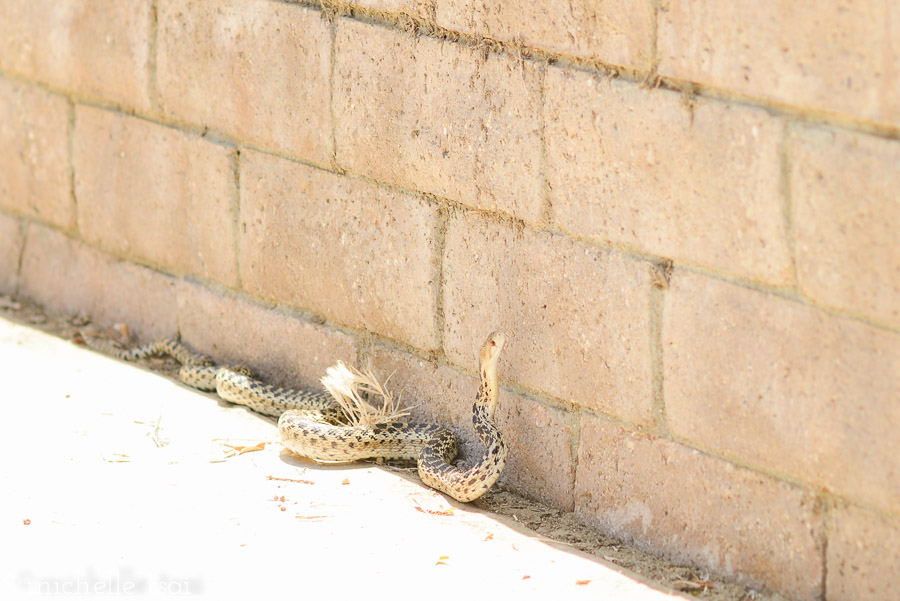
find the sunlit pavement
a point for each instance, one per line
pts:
(119, 482)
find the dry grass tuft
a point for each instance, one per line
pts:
(353, 389)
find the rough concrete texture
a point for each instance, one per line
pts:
(781, 384)
(12, 239)
(34, 179)
(253, 69)
(420, 8)
(283, 350)
(441, 118)
(142, 493)
(68, 277)
(578, 316)
(619, 32)
(155, 194)
(95, 48)
(542, 446)
(675, 500)
(358, 253)
(863, 555)
(696, 182)
(836, 56)
(541, 462)
(846, 217)
(436, 394)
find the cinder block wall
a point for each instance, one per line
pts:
(685, 213)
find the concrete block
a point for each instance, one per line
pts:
(619, 32)
(784, 385)
(360, 254)
(846, 217)
(253, 69)
(835, 57)
(12, 239)
(155, 195)
(95, 48)
(863, 555)
(68, 277)
(697, 183)
(442, 118)
(423, 9)
(282, 349)
(670, 499)
(578, 318)
(34, 131)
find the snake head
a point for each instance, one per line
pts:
(490, 350)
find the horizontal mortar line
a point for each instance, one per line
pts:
(437, 358)
(159, 268)
(222, 289)
(742, 463)
(281, 308)
(729, 458)
(217, 137)
(295, 312)
(784, 477)
(26, 219)
(75, 96)
(312, 317)
(414, 25)
(806, 115)
(209, 134)
(374, 339)
(788, 294)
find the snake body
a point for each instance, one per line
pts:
(313, 425)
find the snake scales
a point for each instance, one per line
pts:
(313, 425)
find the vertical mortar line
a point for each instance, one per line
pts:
(331, 112)
(70, 168)
(365, 351)
(824, 504)
(24, 229)
(152, 51)
(440, 237)
(547, 214)
(787, 205)
(430, 13)
(575, 446)
(654, 42)
(235, 207)
(661, 274)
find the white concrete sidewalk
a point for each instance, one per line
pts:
(117, 481)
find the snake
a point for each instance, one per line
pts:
(313, 425)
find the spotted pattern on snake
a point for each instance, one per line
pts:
(312, 424)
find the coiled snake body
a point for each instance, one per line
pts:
(313, 425)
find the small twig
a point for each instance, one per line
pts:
(290, 480)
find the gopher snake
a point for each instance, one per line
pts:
(313, 425)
